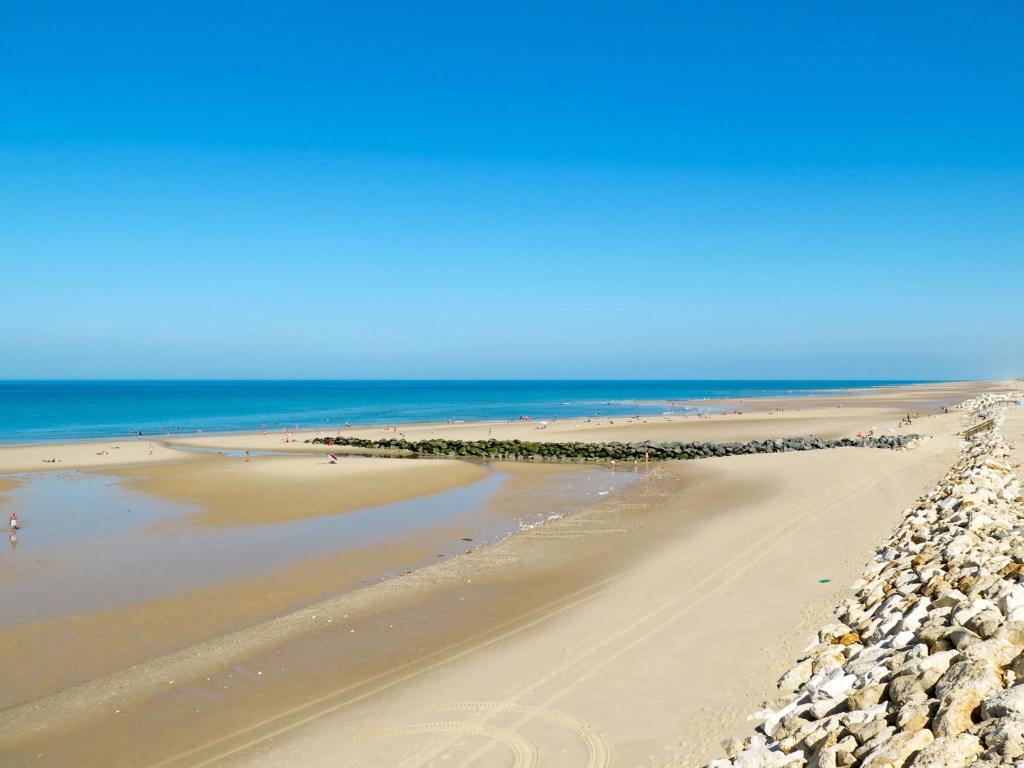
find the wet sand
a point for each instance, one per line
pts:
(156, 582)
(630, 614)
(271, 489)
(825, 416)
(695, 602)
(913, 397)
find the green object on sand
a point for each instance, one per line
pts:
(824, 581)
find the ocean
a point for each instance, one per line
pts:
(36, 411)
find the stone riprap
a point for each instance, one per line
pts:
(655, 451)
(988, 400)
(925, 665)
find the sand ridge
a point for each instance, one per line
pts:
(269, 489)
(86, 455)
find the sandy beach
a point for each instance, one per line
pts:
(533, 386)
(826, 416)
(643, 624)
(85, 455)
(279, 488)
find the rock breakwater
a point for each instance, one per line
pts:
(925, 666)
(613, 451)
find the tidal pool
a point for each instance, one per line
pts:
(87, 543)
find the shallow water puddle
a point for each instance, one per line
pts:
(236, 453)
(87, 543)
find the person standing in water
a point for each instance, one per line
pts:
(13, 522)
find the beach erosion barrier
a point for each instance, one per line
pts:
(924, 665)
(604, 452)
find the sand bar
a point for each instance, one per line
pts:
(230, 491)
(86, 454)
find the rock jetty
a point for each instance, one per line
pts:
(924, 667)
(614, 451)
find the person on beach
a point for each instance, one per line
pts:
(332, 458)
(248, 456)
(13, 522)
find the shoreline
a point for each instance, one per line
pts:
(517, 591)
(466, 618)
(827, 416)
(695, 403)
(312, 530)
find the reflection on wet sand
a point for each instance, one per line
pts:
(111, 577)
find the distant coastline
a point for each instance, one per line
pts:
(48, 411)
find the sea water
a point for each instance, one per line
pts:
(34, 411)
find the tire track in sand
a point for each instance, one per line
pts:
(469, 646)
(599, 753)
(409, 670)
(416, 668)
(725, 575)
(524, 752)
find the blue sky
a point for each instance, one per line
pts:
(511, 190)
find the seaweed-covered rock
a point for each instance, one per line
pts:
(578, 451)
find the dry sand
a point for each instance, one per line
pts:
(643, 627)
(83, 455)
(667, 656)
(831, 421)
(825, 416)
(656, 616)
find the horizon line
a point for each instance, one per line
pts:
(475, 379)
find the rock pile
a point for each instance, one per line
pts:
(925, 666)
(541, 451)
(988, 400)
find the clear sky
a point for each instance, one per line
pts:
(569, 190)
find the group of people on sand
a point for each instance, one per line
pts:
(908, 419)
